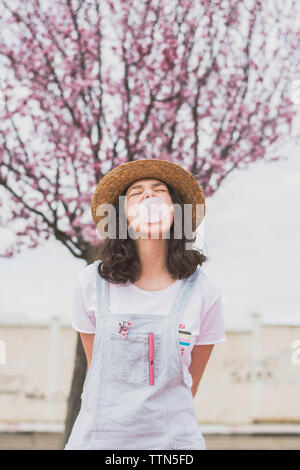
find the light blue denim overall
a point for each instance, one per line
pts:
(119, 409)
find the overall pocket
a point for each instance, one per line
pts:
(129, 358)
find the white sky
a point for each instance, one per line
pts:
(251, 231)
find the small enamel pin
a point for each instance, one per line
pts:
(124, 329)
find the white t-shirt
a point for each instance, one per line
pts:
(202, 316)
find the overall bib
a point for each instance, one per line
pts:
(119, 408)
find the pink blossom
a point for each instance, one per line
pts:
(91, 97)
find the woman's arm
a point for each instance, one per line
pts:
(88, 342)
(199, 358)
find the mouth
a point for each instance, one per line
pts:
(151, 210)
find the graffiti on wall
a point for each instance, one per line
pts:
(273, 369)
(18, 385)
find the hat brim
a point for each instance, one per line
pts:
(111, 186)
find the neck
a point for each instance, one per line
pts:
(152, 254)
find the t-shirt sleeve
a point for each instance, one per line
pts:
(212, 328)
(82, 321)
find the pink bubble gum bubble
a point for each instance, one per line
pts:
(152, 209)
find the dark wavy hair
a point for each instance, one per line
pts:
(119, 258)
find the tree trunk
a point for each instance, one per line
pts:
(74, 402)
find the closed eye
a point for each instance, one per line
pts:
(140, 192)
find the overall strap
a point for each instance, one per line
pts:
(184, 293)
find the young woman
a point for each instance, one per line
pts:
(147, 314)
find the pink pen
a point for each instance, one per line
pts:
(151, 358)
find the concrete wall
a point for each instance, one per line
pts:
(35, 381)
(250, 378)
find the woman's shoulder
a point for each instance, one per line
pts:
(87, 275)
(208, 285)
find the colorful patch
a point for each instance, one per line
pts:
(184, 338)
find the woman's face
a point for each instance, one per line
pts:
(136, 193)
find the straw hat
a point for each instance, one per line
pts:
(113, 183)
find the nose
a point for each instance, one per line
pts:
(149, 192)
